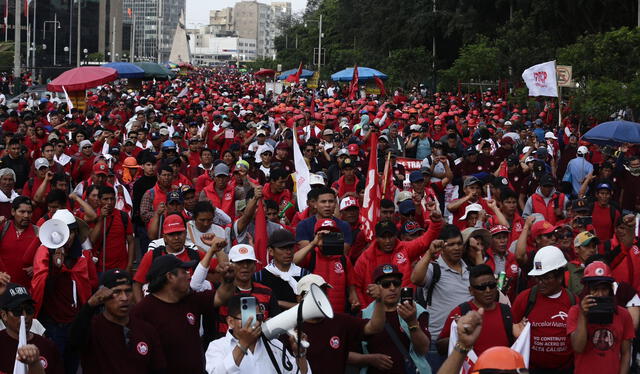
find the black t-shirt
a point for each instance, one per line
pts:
(178, 325)
(280, 289)
(112, 348)
(49, 355)
(331, 340)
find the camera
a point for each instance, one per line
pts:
(602, 312)
(333, 244)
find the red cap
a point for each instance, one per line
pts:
(100, 168)
(326, 224)
(173, 223)
(498, 229)
(542, 228)
(353, 149)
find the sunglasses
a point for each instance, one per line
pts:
(387, 283)
(484, 286)
(86, 146)
(267, 154)
(28, 309)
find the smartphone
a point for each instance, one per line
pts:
(406, 294)
(229, 134)
(248, 309)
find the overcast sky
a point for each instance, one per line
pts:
(198, 10)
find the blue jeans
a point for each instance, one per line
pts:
(59, 334)
(434, 358)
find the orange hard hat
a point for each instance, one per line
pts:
(131, 163)
(499, 358)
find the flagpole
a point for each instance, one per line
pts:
(33, 53)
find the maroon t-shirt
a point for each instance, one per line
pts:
(112, 349)
(178, 325)
(49, 356)
(59, 304)
(382, 343)
(333, 339)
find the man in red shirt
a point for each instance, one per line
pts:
(16, 235)
(112, 234)
(277, 191)
(83, 162)
(472, 195)
(220, 192)
(601, 345)
(604, 214)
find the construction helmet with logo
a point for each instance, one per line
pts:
(547, 259)
(597, 272)
(503, 360)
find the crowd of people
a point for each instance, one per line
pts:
(134, 233)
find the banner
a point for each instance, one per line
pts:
(541, 79)
(302, 174)
(564, 73)
(313, 81)
(371, 202)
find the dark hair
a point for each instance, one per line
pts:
(203, 207)
(450, 231)
(15, 140)
(57, 196)
(91, 188)
(326, 190)
(203, 150)
(105, 190)
(45, 145)
(278, 173)
(387, 204)
(360, 186)
(479, 270)
(596, 257)
(233, 305)
(270, 204)
(313, 194)
(158, 283)
(166, 168)
(508, 193)
(57, 177)
(19, 201)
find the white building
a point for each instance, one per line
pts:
(211, 50)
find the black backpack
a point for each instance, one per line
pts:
(531, 301)
(507, 319)
(162, 250)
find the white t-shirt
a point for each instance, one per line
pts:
(194, 235)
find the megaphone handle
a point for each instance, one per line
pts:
(303, 343)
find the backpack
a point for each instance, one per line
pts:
(507, 319)
(162, 250)
(5, 228)
(534, 294)
(437, 272)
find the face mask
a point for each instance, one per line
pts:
(634, 171)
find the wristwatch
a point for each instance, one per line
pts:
(461, 348)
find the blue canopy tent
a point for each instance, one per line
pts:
(364, 74)
(126, 69)
(305, 74)
(614, 133)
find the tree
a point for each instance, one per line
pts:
(479, 61)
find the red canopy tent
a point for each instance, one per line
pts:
(82, 78)
(265, 73)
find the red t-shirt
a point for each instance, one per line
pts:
(147, 259)
(602, 352)
(116, 243)
(492, 334)
(12, 251)
(49, 356)
(550, 346)
(602, 222)
(457, 214)
(337, 337)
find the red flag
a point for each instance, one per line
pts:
(312, 105)
(387, 179)
(380, 85)
(371, 203)
(26, 8)
(129, 12)
(295, 78)
(353, 87)
(260, 237)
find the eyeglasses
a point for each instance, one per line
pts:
(387, 283)
(267, 154)
(484, 286)
(28, 309)
(86, 146)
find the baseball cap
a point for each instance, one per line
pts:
(410, 228)
(40, 163)
(542, 228)
(326, 224)
(281, 238)
(241, 205)
(581, 205)
(343, 152)
(115, 277)
(164, 131)
(547, 180)
(584, 238)
(471, 208)
(386, 227)
(507, 140)
(497, 229)
(583, 150)
(406, 207)
(130, 141)
(416, 176)
(604, 186)
(100, 168)
(168, 144)
(85, 143)
(550, 135)
(241, 252)
(470, 151)
(14, 295)
(353, 149)
(304, 284)
(386, 270)
(161, 265)
(404, 195)
(221, 169)
(316, 179)
(173, 223)
(471, 181)
(261, 133)
(347, 163)
(327, 132)
(174, 196)
(348, 202)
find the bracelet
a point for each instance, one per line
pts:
(461, 348)
(413, 327)
(243, 349)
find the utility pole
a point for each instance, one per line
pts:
(320, 44)
(113, 39)
(433, 49)
(78, 41)
(17, 42)
(133, 36)
(33, 53)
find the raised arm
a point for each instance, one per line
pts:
(521, 246)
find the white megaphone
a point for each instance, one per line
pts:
(54, 234)
(314, 305)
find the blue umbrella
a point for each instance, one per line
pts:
(614, 133)
(364, 74)
(126, 69)
(305, 73)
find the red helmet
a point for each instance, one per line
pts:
(597, 271)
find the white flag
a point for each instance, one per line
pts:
(183, 92)
(541, 79)
(303, 185)
(19, 367)
(521, 345)
(69, 102)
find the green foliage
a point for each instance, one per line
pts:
(96, 57)
(477, 62)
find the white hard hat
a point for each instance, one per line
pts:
(550, 135)
(547, 259)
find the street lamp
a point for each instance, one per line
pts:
(320, 35)
(56, 26)
(86, 58)
(66, 49)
